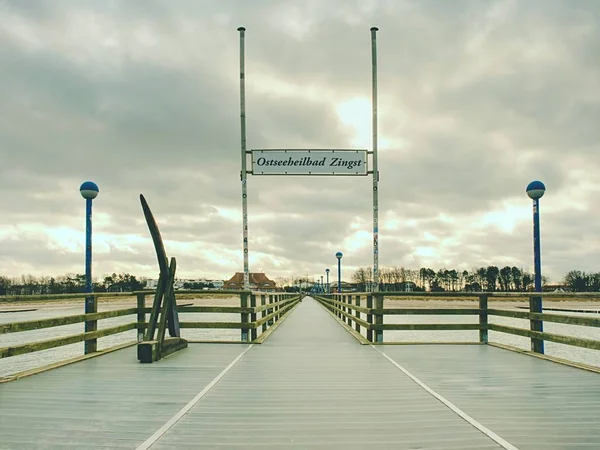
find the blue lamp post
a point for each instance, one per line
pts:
(339, 255)
(89, 191)
(327, 285)
(535, 191)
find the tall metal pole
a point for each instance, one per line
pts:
(88, 245)
(327, 272)
(244, 176)
(535, 190)
(537, 259)
(375, 163)
(339, 275)
(89, 191)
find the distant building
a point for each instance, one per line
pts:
(555, 288)
(258, 282)
(182, 283)
(218, 284)
(346, 287)
(151, 284)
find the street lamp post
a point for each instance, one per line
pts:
(89, 190)
(339, 255)
(322, 287)
(535, 190)
(327, 273)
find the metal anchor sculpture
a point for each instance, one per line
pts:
(164, 309)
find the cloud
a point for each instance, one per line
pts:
(476, 99)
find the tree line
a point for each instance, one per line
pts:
(68, 284)
(488, 279)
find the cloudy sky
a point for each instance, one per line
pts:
(477, 99)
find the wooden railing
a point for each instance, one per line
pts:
(365, 311)
(258, 311)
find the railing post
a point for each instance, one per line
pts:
(277, 300)
(253, 330)
(483, 319)
(244, 316)
(141, 316)
(91, 307)
(370, 317)
(535, 306)
(270, 310)
(263, 302)
(378, 317)
(357, 314)
(349, 308)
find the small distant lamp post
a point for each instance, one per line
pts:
(535, 191)
(327, 273)
(322, 286)
(89, 190)
(339, 255)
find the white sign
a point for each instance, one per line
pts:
(309, 162)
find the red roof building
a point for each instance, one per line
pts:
(258, 282)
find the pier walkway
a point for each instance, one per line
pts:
(310, 385)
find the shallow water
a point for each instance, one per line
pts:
(20, 363)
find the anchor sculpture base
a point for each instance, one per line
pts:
(151, 351)
(164, 309)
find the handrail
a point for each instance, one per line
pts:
(347, 308)
(271, 312)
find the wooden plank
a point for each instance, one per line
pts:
(216, 325)
(357, 315)
(426, 326)
(568, 340)
(557, 318)
(215, 309)
(29, 325)
(6, 352)
(426, 311)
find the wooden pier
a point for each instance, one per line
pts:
(310, 382)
